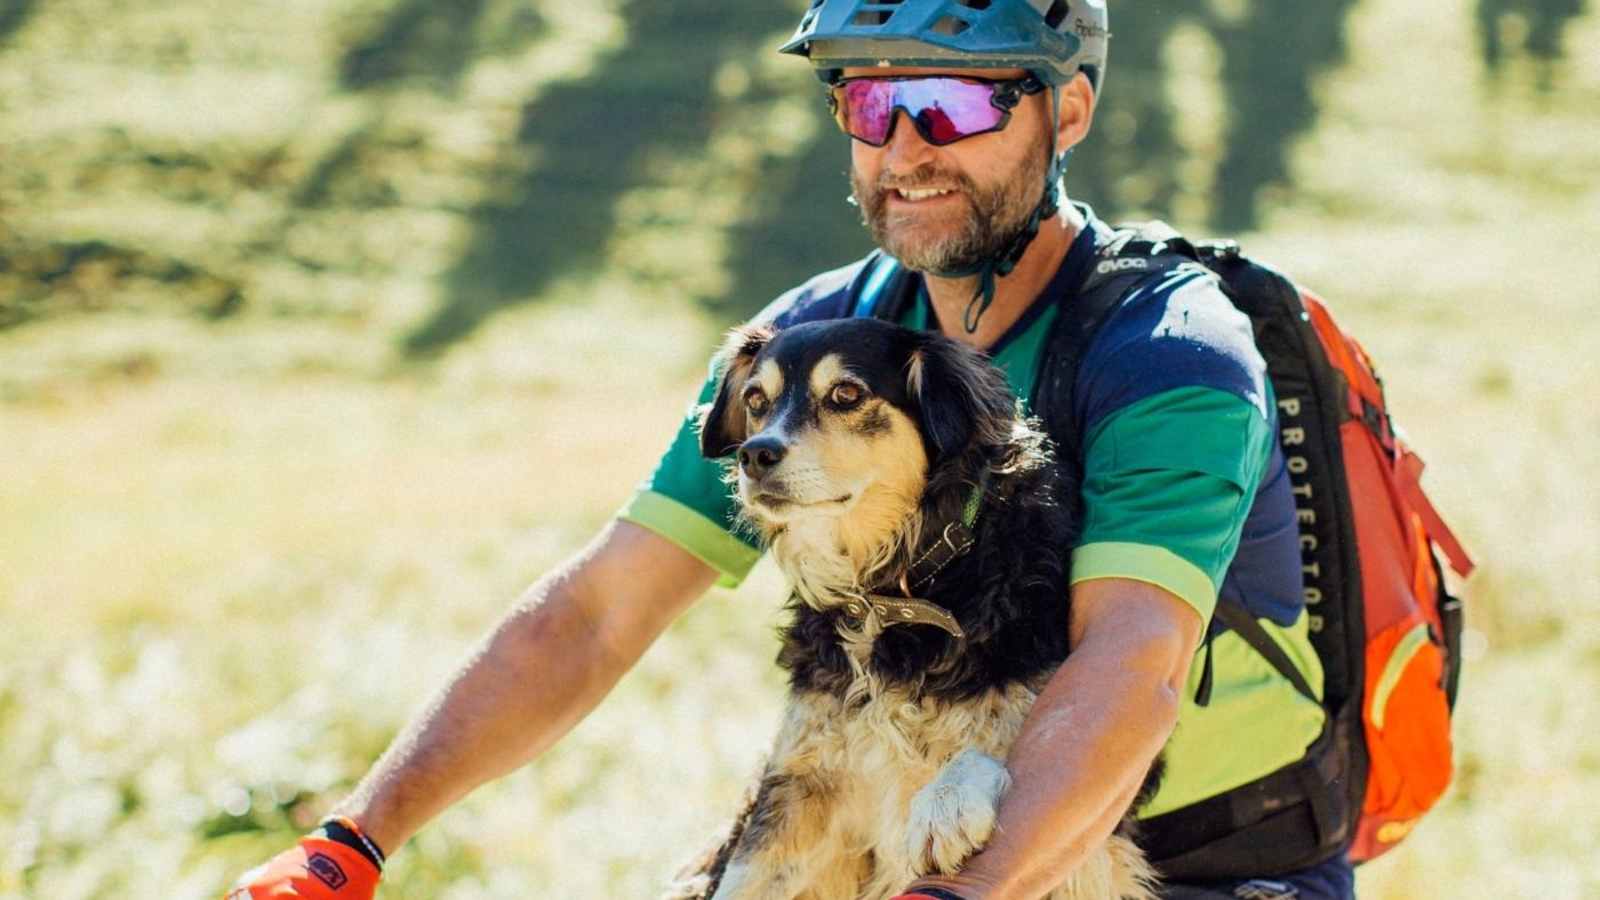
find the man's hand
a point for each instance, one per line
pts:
(316, 868)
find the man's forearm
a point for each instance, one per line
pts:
(1082, 756)
(550, 660)
(1076, 767)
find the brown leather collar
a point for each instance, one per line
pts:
(905, 609)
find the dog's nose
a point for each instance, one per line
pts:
(759, 455)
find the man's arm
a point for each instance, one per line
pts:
(552, 658)
(1089, 739)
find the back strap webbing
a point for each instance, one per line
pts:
(1249, 628)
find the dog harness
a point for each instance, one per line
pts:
(908, 609)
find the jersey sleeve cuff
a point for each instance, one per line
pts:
(705, 539)
(1150, 564)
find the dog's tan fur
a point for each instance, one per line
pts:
(865, 793)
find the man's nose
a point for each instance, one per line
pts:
(906, 148)
(760, 455)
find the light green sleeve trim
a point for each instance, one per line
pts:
(682, 525)
(1150, 564)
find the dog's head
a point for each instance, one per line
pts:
(847, 419)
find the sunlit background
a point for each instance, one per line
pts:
(328, 325)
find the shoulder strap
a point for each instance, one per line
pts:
(884, 289)
(1133, 254)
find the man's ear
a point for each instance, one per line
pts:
(961, 398)
(1077, 99)
(723, 424)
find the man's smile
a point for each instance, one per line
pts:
(920, 195)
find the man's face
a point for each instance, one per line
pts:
(945, 209)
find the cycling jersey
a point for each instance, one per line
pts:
(1184, 487)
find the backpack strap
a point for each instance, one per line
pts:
(1133, 254)
(884, 289)
(1249, 628)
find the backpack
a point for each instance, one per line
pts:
(1383, 623)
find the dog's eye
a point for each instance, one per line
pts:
(756, 402)
(846, 395)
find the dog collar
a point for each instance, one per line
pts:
(908, 609)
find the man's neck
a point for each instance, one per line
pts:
(1014, 293)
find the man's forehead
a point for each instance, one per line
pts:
(889, 71)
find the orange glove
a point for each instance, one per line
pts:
(335, 862)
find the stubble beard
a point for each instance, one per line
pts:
(994, 216)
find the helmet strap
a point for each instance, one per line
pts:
(1049, 204)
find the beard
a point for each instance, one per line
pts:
(993, 218)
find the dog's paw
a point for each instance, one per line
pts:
(953, 815)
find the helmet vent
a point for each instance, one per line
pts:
(950, 25)
(1056, 14)
(973, 4)
(876, 12)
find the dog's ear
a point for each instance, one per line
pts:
(962, 399)
(723, 426)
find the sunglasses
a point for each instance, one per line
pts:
(944, 109)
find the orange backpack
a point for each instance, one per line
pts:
(1411, 625)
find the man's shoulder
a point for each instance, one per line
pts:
(824, 296)
(1172, 329)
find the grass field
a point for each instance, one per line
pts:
(236, 553)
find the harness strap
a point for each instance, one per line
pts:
(1249, 628)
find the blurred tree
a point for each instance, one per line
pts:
(1130, 161)
(430, 39)
(651, 95)
(801, 222)
(1543, 24)
(12, 14)
(654, 94)
(1269, 59)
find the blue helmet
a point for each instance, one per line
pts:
(1054, 39)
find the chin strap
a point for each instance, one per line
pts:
(1000, 266)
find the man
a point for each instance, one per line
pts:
(962, 116)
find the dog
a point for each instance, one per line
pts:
(923, 528)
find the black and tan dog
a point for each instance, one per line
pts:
(915, 516)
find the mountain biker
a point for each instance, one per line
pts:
(962, 116)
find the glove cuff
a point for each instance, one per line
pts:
(929, 893)
(344, 830)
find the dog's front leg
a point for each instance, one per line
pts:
(792, 834)
(953, 815)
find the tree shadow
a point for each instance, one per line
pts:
(1130, 161)
(13, 14)
(808, 226)
(1269, 63)
(651, 96)
(419, 39)
(1545, 23)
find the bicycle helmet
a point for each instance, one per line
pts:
(1053, 39)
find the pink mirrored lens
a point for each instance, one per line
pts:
(944, 109)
